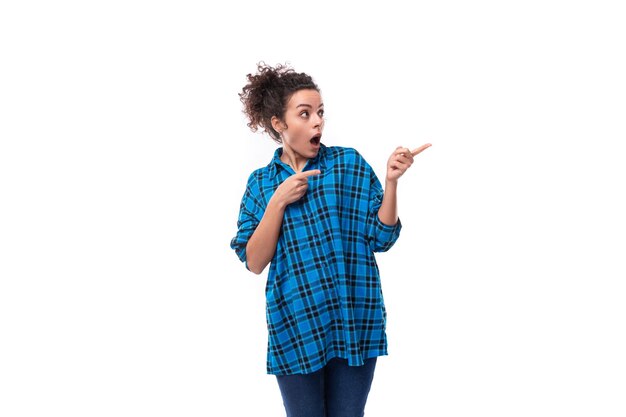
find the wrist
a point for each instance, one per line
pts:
(391, 183)
(277, 202)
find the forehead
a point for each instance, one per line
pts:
(308, 96)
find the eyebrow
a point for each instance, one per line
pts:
(308, 105)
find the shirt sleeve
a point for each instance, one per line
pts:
(250, 215)
(381, 236)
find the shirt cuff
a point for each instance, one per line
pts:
(388, 233)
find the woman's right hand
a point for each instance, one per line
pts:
(294, 187)
(262, 244)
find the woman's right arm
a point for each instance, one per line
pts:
(261, 246)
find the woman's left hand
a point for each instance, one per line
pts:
(400, 160)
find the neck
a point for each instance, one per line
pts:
(293, 159)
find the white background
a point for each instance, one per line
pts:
(124, 155)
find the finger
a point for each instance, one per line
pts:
(404, 158)
(404, 152)
(399, 165)
(420, 149)
(310, 173)
(404, 155)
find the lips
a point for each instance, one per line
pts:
(315, 140)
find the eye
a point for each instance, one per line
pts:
(321, 113)
(305, 112)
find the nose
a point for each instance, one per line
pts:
(319, 121)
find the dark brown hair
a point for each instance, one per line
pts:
(267, 94)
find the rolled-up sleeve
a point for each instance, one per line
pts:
(250, 215)
(381, 236)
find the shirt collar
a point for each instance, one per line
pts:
(319, 162)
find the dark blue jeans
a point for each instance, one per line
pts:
(337, 390)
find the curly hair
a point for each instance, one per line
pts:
(267, 94)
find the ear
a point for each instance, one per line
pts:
(277, 124)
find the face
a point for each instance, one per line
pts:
(304, 120)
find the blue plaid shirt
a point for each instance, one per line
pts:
(323, 290)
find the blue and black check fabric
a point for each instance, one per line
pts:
(323, 293)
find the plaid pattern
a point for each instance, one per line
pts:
(323, 290)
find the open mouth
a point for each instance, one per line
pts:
(315, 140)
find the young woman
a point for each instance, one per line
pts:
(316, 215)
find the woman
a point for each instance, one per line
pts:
(316, 215)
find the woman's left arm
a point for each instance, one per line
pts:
(400, 160)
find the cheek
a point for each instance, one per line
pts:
(297, 135)
(300, 134)
(299, 131)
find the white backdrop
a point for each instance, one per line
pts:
(124, 156)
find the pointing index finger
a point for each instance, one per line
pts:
(311, 173)
(420, 149)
